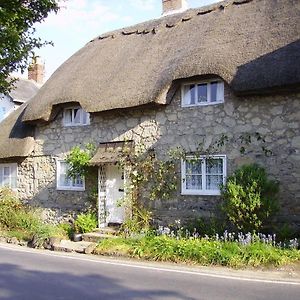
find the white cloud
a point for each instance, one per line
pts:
(77, 15)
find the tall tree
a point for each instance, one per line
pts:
(17, 40)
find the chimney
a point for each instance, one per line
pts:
(173, 6)
(36, 70)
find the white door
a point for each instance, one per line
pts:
(115, 211)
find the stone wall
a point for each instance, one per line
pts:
(165, 127)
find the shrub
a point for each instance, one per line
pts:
(10, 208)
(250, 198)
(22, 222)
(67, 228)
(86, 222)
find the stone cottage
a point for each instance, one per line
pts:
(191, 76)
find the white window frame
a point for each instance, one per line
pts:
(72, 123)
(60, 187)
(13, 168)
(208, 82)
(203, 191)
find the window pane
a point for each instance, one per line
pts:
(214, 166)
(13, 182)
(77, 113)
(192, 94)
(84, 117)
(64, 180)
(6, 181)
(202, 92)
(78, 182)
(193, 182)
(6, 171)
(220, 91)
(213, 182)
(63, 167)
(213, 91)
(193, 167)
(68, 116)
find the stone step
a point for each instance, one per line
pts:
(112, 230)
(96, 237)
(79, 247)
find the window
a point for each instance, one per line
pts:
(202, 93)
(76, 116)
(203, 175)
(8, 175)
(64, 182)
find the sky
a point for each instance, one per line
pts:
(78, 21)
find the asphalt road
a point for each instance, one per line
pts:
(29, 274)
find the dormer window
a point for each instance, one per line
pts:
(202, 93)
(75, 116)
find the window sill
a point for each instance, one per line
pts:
(201, 193)
(202, 104)
(76, 125)
(75, 189)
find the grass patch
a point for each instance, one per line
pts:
(201, 251)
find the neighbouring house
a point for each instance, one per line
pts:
(191, 76)
(24, 89)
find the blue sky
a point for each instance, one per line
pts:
(78, 21)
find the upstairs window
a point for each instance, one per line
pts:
(75, 116)
(64, 182)
(8, 175)
(203, 175)
(203, 93)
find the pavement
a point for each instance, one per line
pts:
(38, 274)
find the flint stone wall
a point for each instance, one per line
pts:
(165, 127)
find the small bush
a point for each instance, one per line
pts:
(86, 222)
(67, 228)
(250, 198)
(22, 222)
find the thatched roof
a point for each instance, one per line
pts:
(24, 89)
(251, 44)
(16, 138)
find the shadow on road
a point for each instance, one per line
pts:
(22, 284)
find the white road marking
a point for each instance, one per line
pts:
(137, 266)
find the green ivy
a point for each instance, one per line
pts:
(79, 160)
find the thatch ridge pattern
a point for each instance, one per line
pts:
(136, 65)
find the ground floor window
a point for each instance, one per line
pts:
(8, 175)
(64, 182)
(203, 175)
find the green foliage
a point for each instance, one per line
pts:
(250, 198)
(139, 222)
(67, 228)
(17, 41)
(209, 227)
(201, 251)
(86, 222)
(284, 232)
(79, 159)
(18, 219)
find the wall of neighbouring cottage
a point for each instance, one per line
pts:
(164, 127)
